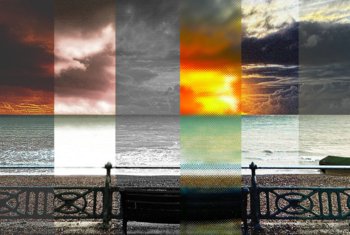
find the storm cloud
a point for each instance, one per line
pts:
(280, 47)
(26, 58)
(324, 67)
(148, 57)
(324, 43)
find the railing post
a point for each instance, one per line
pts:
(254, 199)
(107, 197)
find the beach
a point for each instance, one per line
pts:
(94, 226)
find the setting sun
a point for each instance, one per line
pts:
(210, 59)
(208, 92)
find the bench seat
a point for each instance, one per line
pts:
(172, 205)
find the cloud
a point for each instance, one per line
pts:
(324, 89)
(38, 30)
(24, 64)
(147, 30)
(140, 97)
(71, 51)
(280, 47)
(198, 13)
(88, 16)
(133, 100)
(312, 41)
(91, 82)
(22, 100)
(148, 57)
(85, 57)
(331, 11)
(140, 75)
(270, 89)
(281, 101)
(26, 58)
(264, 17)
(324, 43)
(324, 65)
(210, 31)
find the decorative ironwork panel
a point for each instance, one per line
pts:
(26, 202)
(303, 203)
(49, 202)
(78, 202)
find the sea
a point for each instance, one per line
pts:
(83, 144)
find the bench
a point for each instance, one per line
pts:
(171, 206)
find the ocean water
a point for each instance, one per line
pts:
(210, 145)
(91, 141)
(26, 141)
(268, 140)
(147, 141)
(294, 140)
(323, 135)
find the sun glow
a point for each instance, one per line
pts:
(211, 92)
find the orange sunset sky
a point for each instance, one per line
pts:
(27, 60)
(210, 73)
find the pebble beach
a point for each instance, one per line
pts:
(94, 227)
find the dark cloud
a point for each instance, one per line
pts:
(196, 13)
(26, 39)
(91, 82)
(141, 75)
(324, 68)
(324, 43)
(324, 89)
(141, 100)
(148, 57)
(276, 48)
(23, 16)
(210, 32)
(148, 30)
(86, 15)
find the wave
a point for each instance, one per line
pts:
(43, 157)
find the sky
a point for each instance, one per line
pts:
(85, 57)
(148, 57)
(270, 44)
(189, 57)
(324, 57)
(26, 58)
(295, 57)
(210, 74)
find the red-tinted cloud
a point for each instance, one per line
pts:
(85, 57)
(26, 58)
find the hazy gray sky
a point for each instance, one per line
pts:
(148, 57)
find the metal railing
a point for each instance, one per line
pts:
(296, 203)
(292, 202)
(51, 202)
